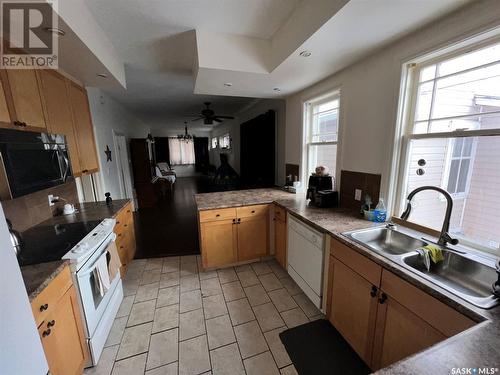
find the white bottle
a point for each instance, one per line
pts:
(380, 213)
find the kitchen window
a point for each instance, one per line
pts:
(452, 140)
(321, 133)
(214, 143)
(225, 142)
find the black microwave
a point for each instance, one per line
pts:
(31, 162)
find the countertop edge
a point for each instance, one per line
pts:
(47, 277)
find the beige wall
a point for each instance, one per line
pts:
(370, 92)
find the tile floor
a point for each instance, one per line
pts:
(176, 319)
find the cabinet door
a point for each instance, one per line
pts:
(62, 337)
(4, 110)
(400, 333)
(26, 97)
(59, 118)
(253, 237)
(280, 241)
(218, 243)
(353, 311)
(83, 128)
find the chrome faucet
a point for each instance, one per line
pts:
(444, 237)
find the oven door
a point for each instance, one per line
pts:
(94, 304)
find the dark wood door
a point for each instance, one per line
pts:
(201, 154)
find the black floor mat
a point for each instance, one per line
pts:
(317, 348)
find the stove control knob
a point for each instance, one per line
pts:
(107, 222)
(81, 248)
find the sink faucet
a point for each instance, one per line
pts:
(444, 237)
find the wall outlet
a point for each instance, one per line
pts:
(51, 200)
(357, 194)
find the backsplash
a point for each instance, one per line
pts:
(29, 210)
(368, 183)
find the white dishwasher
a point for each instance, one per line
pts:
(305, 258)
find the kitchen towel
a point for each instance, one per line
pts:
(102, 273)
(114, 262)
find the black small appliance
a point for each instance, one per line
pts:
(320, 191)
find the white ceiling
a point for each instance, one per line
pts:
(157, 41)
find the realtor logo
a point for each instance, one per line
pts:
(29, 34)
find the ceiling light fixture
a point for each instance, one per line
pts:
(55, 30)
(277, 89)
(102, 75)
(228, 84)
(186, 136)
(305, 53)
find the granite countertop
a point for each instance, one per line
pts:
(37, 276)
(476, 347)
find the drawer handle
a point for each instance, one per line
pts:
(253, 211)
(234, 221)
(382, 299)
(46, 333)
(44, 307)
(374, 290)
(128, 211)
(217, 215)
(52, 323)
(117, 222)
(125, 225)
(121, 247)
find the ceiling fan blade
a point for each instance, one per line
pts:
(197, 119)
(217, 119)
(226, 117)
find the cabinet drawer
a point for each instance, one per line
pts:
(46, 301)
(249, 211)
(220, 214)
(442, 317)
(357, 262)
(279, 213)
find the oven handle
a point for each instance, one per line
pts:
(91, 268)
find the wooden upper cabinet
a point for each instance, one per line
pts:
(83, 128)
(354, 309)
(58, 109)
(4, 110)
(63, 337)
(219, 242)
(26, 99)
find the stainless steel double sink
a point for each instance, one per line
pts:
(465, 274)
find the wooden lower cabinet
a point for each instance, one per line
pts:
(280, 242)
(228, 236)
(125, 236)
(354, 310)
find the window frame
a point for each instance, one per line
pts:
(447, 167)
(307, 142)
(406, 119)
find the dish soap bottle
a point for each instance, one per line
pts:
(380, 213)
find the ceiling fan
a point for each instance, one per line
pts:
(208, 116)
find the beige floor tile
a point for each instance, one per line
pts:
(168, 296)
(270, 282)
(147, 292)
(268, 317)
(306, 305)
(282, 300)
(188, 259)
(248, 278)
(240, 311)
(151, 276)
(142, 312)
(214, 306)
(130, 366)
(219, 331)
(262, 364)
(193, 356)
(130, 287)
(125, 306)
(153, 263)
(116, 333)
(210, 287)
(163, 348)
(289, 370)
(169, 279)
(106, 362)
(191, 324)
(317, 317)
(256, 295)
(233, 291)
(189, 283)
(261, 268)
(243, 268)
(166, 317)
(170, 369)
(227, 275)
(227, 361)
(190, 301)
(189, 269)
(133, 273)
(279, 271)
(294, 317)
(277, 348)
(170, 265)
(250, 339)
(291, 286)
(207, 274)
(135, 341)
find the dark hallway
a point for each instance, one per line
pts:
(171, 227)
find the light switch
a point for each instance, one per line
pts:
(357, 194)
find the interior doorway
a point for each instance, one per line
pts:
(123, 165)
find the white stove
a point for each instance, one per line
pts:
(98, 306)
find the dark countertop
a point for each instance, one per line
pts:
(476, 347)
(37, 276)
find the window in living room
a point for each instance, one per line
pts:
(181, 151)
